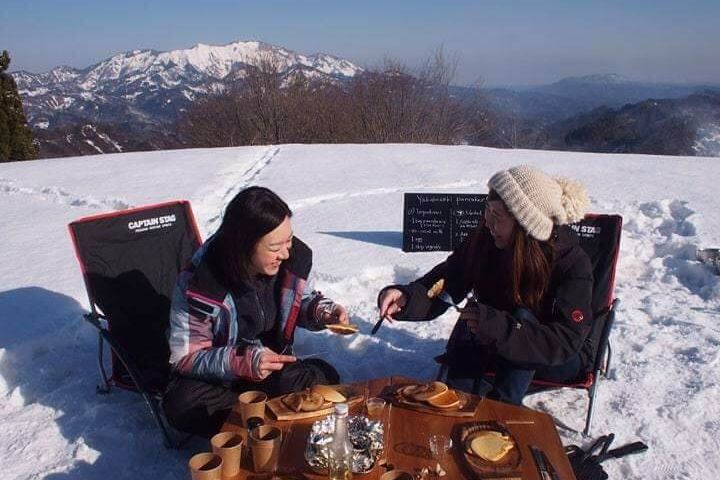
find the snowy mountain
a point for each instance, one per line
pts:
(664, 381)
(150, 87)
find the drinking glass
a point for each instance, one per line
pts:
(439, 446)
(375, 408)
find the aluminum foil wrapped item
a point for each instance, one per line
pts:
(366, 437)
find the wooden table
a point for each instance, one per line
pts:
(406, 442)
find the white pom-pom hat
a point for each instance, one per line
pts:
(539, 201)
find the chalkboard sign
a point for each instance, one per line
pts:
(439, 221)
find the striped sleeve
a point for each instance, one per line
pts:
(198, 347)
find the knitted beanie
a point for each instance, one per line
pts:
(537, 200)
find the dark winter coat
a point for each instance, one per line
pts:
(565, 316)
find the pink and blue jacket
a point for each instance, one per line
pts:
(204, 339)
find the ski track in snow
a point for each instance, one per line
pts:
(62, 197)
(235, 184)
(312, 201)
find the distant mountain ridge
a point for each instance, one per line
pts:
(679, 126)
(151, 87)
(574, 95)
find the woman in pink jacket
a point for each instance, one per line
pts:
(234, 313)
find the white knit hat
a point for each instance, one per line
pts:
(537, 200)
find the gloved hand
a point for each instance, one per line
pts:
(476, 316)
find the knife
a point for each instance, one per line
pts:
(545, 469)
(377, 326)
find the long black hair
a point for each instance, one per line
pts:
(250, 215)
(532, 264)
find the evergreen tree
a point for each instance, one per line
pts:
(16, 141)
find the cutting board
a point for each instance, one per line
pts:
(281, 412)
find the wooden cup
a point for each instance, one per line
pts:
(252, 404)
(206, 466)
(228, 445)
(265, 442)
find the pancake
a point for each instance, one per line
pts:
(436, 289)
(306, 401)
(342, 329)
(329, 393)
(424, 392)
(490, 445)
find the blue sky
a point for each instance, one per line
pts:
(495, 42)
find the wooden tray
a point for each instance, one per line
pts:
(467, 408)
(507, 466)
(281, 412)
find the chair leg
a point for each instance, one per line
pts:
(154, 406)
(152, 403)
(104, 386)
(591, 405)
(607, 360)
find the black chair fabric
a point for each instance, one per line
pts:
(130, 261)
(599, 236)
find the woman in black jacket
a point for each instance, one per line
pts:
(529, 281)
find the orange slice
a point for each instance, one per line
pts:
(447, 399)
(423, 393)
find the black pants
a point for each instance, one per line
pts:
(511, 381)
(199, 407)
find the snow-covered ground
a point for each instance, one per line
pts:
(347, 200)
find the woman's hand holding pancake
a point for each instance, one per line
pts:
(337, 314)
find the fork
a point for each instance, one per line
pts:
(310, 355)
(302, 357)
(446, 298)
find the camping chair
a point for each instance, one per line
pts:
(599, 236)
(130, 260)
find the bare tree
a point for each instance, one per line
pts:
(391, 103)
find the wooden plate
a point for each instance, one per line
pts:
(507, 465)
(281, 411)
(466, 408)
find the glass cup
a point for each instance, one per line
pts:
(439, 446)
(375, 408)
